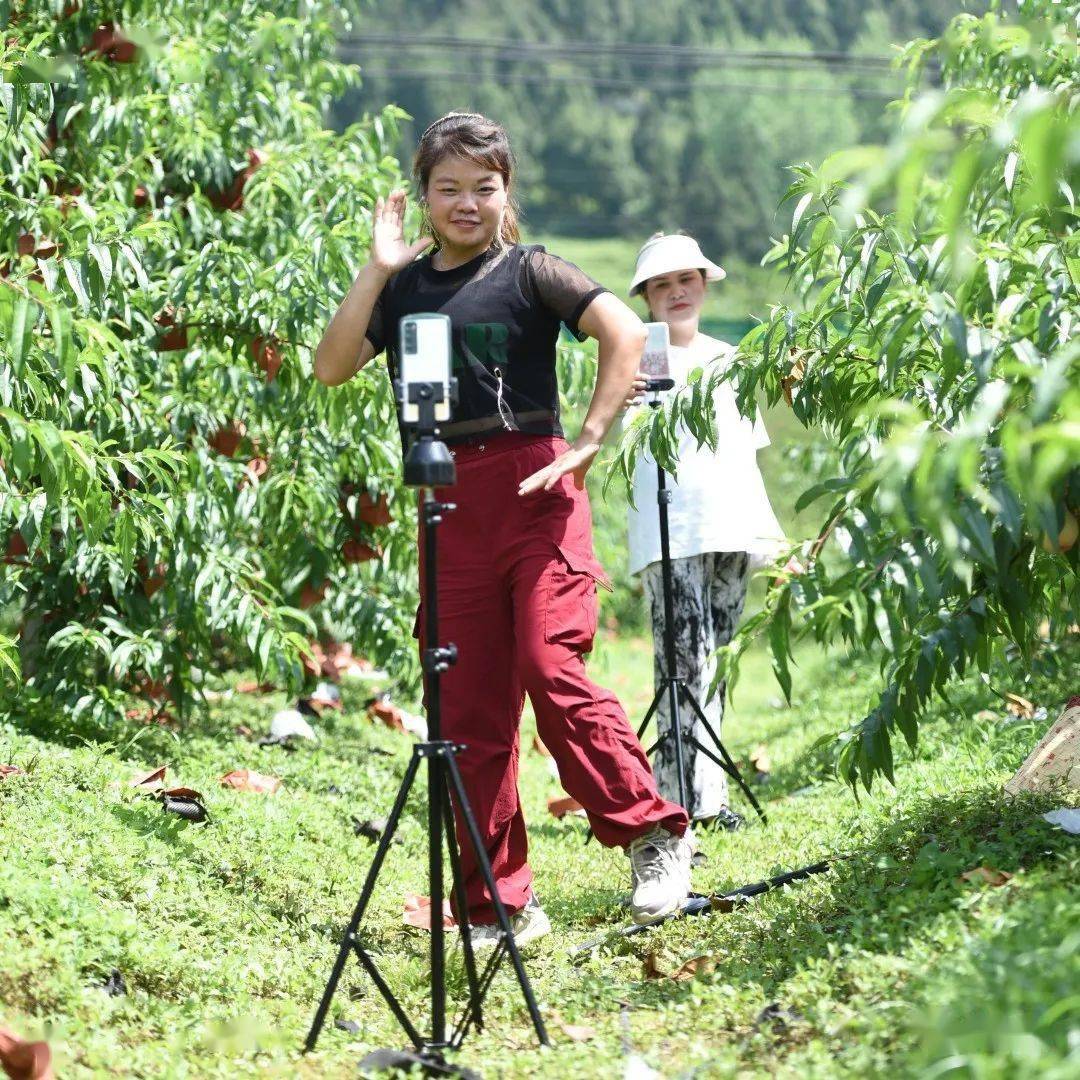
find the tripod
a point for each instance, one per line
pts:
(427, 465)
(672, 684)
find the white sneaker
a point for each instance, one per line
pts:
(528, 924)
(660, 874)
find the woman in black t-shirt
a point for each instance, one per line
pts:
(517, 574)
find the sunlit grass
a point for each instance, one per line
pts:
(225, 933)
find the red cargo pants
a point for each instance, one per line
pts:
(517, 596)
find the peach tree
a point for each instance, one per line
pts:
(177, 493)
(937, 351)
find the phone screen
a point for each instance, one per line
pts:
(654, 360)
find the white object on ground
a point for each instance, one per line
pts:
(290, 722)
(414, 725)
(637, 1068)
(216, 695)
(327, 692)
(1065, 818)
(354, 669)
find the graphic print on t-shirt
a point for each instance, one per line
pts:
(487, 343)
(505, 309)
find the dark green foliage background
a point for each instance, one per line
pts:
(605, 153)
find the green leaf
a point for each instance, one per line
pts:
(75, 271)
(103, 257)
(22, 325)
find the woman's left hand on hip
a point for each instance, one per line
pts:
(575, 461)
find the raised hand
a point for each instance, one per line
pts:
(389, 252)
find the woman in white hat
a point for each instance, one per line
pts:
(721, 523)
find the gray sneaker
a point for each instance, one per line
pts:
(660, 874)
(528, 924)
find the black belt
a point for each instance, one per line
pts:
(486, 425)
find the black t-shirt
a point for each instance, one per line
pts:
(505, 308)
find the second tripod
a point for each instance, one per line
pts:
(672, 685)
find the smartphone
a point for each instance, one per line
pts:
(425, 358)
(654, 360)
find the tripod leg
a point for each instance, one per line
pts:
(500, 911)
(657, 698)
(677, 734)
(727, 764)
(458, 882)
(388, 996)
(361, 905)
(663, 498)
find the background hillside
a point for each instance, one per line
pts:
(653, 113)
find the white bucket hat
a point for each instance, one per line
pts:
(662, 254)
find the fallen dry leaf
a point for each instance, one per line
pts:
(153, 715)
(249, 780)
(1019, 706)
(560, 807)
(726, 904)
(10, 770)
(577, 1032)
(324, 698)
(250, 686)
(688, 970)
(652, 967)
(417, 912)
(986, 874)
(243, 731)
(24, 1060)
(759, 758)
(152, 781)
(694, 966)
(386, 713)
(182, 793)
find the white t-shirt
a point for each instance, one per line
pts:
(718, 500)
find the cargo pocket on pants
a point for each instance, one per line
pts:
(570, 613)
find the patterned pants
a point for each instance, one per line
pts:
(708, 592)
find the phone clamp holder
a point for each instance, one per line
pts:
(428, 463)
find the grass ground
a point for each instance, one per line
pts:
(224, 932)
